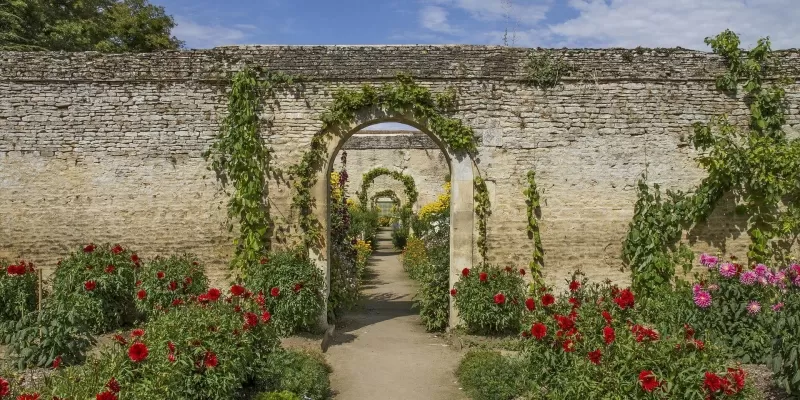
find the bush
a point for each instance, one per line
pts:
(592, 343)
(284, 395)
(202, 350)
(384, 221)
(167, 280)
(399, 238)
(363, 252)
(433, 297)
(363, 223)
(298, 372)
(414, 257)
(785, 357)
(293, 287)
(490, 299)
(18, 284)
(105, 276)
(487, 375)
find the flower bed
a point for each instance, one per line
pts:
(17, 294)
(168, 281)
(490, 299)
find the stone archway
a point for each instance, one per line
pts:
(462, 217)
(385, 193)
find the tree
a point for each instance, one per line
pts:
(110, 26)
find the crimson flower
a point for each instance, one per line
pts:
(624, 299)
(575, 302)
(608, 334)
(648, 381)
(171, 357)
(522, 271)
(250, 319)
(187, 281)
(738, 376)
(266, 316)
(135, 259)
(548, 299)
(594, 356)
(530, 304)
(15, 270)
(117, 249)
(119, 339)
(715, 383)
(483, 276)
(453, 292)
(171, 347)
(568, 346)
(141, 294)
(107, 395)
(109, 269)
(57, 362)
(160, 274)
(172, 286)
(89, 248)
(213, 294)
(264, 260)
(606, 316)
(113, 385)
(297, 287)
(137, 352)
(177, 302)
(499, 298)
(89, 285)
(138, 283)
(28, 396)
(508, 269)
(465, 272)
(688, 331)
(574, 286)
(137, 332)
(538, 330)
(564, 323)
(275, 292)
(237, 290)
(210, 360)
(4, 389)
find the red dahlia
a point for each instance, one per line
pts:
(522, 271)
(107, 395)
(28, 396)
(109, 269)
(113, 385)
(538, 330)
(137, 332)
(137, 352)
(648, 381)
(624, 299)
(594, 356)
(465, 272)
(608, 334)
(499, 298)
(530, 304)
(568, 345)
(160, 274)
(250, 319)
(606, 316)
(89, 285)
(237, 290)
(4, 389)
(275, 292)
(548, 299)
(210, 360)
(483, 276)
(266, 316)
(574, 286)
(453, 292)
(213, 294)
(117, 249)
(141, 294)
(57, 362)
(172, 286)
(89, 248)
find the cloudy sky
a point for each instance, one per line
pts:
(530, 23)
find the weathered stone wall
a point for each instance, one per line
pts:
(107, 148)
(415, 155)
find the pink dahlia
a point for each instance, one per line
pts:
(753, 307)
(727, 270)
(777, 307)
(708, 261)
(748, 278)
(702, 299)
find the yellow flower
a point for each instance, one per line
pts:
(441, 204)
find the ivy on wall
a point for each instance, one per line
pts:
(385, 193)
(758, 166)
(406, 180)
(241, 159)
(403, 96)
(482, 211)
(534, 213)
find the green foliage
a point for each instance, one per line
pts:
(18, 291)
(433, 275)
(105, 277)
(345, 282)
(240, 157)
(490, 299)
(544, 69)
(166, 280)
(300, 284)
(757, 166)
(487, 375)
(403, 97)
(785, 357)
(364, 223)
(109, 26)
(406, 180)
(482, 211)
(283, 395)
(298, 372)
(385, 193)
(414, 257)
(399, 238)
(534, 213)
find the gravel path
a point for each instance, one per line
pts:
(381, 350)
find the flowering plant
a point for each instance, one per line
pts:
(105, 276)
(165, 281)
(489, 298)
(17, 290)
(292, 286)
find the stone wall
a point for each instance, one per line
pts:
(413, 154)
(107, 148)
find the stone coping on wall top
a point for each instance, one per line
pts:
(359, 63)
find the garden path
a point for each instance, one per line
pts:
(380, 350)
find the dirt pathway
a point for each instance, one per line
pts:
(381, 351)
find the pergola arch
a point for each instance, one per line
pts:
(385, 193)
(406, 180)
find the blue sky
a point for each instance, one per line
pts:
(530, 23)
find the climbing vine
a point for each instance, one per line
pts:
(759, 166)
(402, 96)
(482, 211)
(241, 158)
(534, 213)
(385, 193)
(406, 180)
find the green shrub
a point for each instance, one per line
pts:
(106, 277)
(363, 223)
(297, 303)
(167, 280)
(432, 298)
(18, 294)
(284, 395)
(194, 351)
(487, 375)
(60, 329)
(490, 299)
(399, 238)
(299, 372)
(414, 257)
(785, 357)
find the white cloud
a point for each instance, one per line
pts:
(199, 36)
(434, 18)
(499, 10)
(670, 23)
